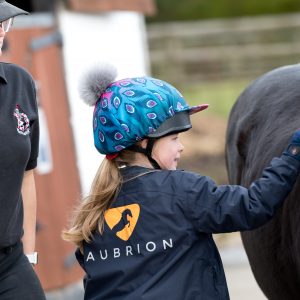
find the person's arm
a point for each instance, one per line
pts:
(227, 208)
(29, 203)
(28, 185)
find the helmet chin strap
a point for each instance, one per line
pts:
(147, 151)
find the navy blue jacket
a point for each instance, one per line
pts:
(157, 241)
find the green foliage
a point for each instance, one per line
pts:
(220, 95)
(178, 10)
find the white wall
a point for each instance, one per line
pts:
(116, 37)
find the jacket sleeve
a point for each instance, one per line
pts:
(228, 208)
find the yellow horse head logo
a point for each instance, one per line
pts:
(122, 220)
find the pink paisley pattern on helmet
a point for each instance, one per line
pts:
(151, 116)
(125, 127)
(95, 123)
(117, 102)
(129, 93)
(104, 103)
(120, 83)
(171, 111)
(119, 147)
(179, 106)
(158, 82)
(101, 136)
(130, 108)
(151, 130)
(159, 96)
(151, 103)
(118, 136)
(125, 83)
(142, 80)
(103, 120)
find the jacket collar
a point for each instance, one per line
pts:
(129, 173)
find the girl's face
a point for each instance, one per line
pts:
(167, 150)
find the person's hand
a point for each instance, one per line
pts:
(293, 149)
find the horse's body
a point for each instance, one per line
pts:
(260, 126)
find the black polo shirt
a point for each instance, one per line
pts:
(19, 137)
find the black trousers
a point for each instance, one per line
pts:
(18, 280)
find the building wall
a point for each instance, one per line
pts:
(117, 37)
(33, 44)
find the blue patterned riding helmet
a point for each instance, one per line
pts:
(131, 109)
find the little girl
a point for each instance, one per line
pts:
(145, 230)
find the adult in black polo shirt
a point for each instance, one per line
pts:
(19, 136)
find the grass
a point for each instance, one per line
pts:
(220, 95)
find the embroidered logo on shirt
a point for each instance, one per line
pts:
(23, 126)
(122, 220)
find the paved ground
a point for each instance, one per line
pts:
(240, 280)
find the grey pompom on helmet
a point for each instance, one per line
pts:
(94, 82)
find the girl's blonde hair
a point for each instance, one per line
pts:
(89, 215)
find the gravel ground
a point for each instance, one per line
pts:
(240, 280)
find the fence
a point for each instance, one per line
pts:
(222, 49)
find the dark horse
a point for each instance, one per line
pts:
(260, 125)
